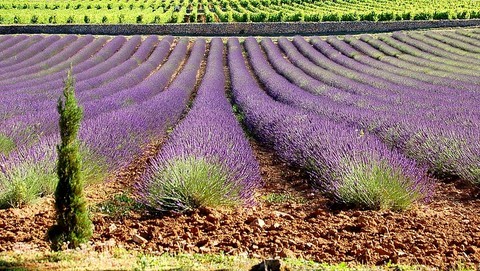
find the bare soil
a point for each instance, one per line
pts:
(290, 220)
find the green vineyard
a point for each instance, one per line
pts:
(191, 11)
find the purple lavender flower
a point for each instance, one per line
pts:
(210, 143)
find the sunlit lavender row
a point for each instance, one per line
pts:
(207, 151)
(372, 119)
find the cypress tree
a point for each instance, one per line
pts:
(74, 226)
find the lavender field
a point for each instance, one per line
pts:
(399, 110)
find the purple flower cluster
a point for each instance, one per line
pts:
(66, 52)
(424, 125)
(32, 50)
(118, 135)
(21, 45)
(364, 63)
(396, 94)
(438, 51)
(424, 59)
(49, 52)
(114, 136)
(55, 80)
(331, 152)
(210, 132)
(44, 110)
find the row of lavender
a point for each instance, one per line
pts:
(121, 88)
(417, 92)
(126, 89)
(207, 160)
(364, 116)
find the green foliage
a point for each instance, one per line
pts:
(6, 144)
(26, 182)
(74, 226)
(23, 183)
(141, 12)
(122, 259)
(119, 206)
(189, 183)
(377, 187)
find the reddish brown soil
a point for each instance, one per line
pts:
(441, 234)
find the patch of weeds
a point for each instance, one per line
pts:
(24, 183)
(118, 206)
(56, 257)
(6, 144)
(127, 102)
(237, 111)
(213, 258)
(463, 267)
(120, 253)
(24, 180)
(143, 262)
(4, 264)
(193, 262)
(275, 198)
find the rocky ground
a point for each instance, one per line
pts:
(290, 220)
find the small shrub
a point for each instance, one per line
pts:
(119, 206)
(17, 19)
(52, 19)
(377, 187)
(423, 15)
(26, 183)
(30, 173)
(189, 183)
(70, 19)
(34, 19)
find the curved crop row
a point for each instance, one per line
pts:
(440, 134)
(348, 110)
(354, 168)
(44, 109)
(109, 140)
(207, 160)
(363, 53)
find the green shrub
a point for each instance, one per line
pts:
(442, 15)
(386, 16)
(27, 181)
(313, 17)
(423, 15)
(189, 183)
(377, 187)
(350, 16)
(330, 17)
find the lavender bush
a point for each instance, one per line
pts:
(352, 167)
(207, 160)
(407, 120)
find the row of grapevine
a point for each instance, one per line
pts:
(179, 11)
